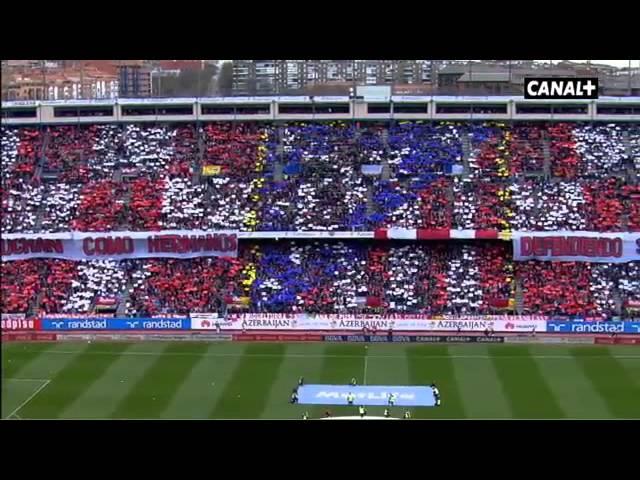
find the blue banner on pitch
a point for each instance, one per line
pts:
(366, 395)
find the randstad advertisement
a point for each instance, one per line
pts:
(555, 326)
(116, 324)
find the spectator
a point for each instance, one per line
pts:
(101, 278)
(601, 149)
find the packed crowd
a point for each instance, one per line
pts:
(556, 287)
(181, 286)
(19, 285)
(101, 207)
(526, 149)
(328, 277)
(419, 157)
(579, 288)
(324, 169)
(601, 149)
(562, 147)
(321, 176)
(67, 151)
(236, 153)
(95, 280)
(21, 152)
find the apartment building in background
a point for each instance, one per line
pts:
(82, 79)
(57, 80)
(75, 79)
(280, 77)
(134, 79)
(507, 77)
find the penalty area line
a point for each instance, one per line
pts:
(27, 379)
(31, 397)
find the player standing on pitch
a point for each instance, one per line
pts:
(353, 381)
(387, 413)
(436, 394)
(391, 400)
(350, 398)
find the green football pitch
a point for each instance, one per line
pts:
(254, 380)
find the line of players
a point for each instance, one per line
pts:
(362, 412)
(391, 400)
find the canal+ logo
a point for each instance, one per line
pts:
(536, 88)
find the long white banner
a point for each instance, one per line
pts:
(375, 316)
(305, 234)
(119, 245)
(326, 322)
(577, 246)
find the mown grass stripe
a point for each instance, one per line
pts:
(278, 404)
(524, 385)
(633, 368)
(387, 371)
(428, 364)
(611, 379)
(244, 396)
(572, 389)
(70, 382)
(204, 386)
(151, 395)
(114, 385)
(15, 358)
(481, 392)
(339, 371)
(37, 370)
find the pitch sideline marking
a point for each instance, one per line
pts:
(319, 355)
(38, 390)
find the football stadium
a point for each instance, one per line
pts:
(366, 256)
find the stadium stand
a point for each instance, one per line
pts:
(556, 288)
(182, 286)
(323, 277)
(565, 161)
(322, 164)
(324, 176)
(56, 277)
(232, 197)
(19, 281)
(95, 279)
(101, 207)
(601, 148)
(526, 149)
